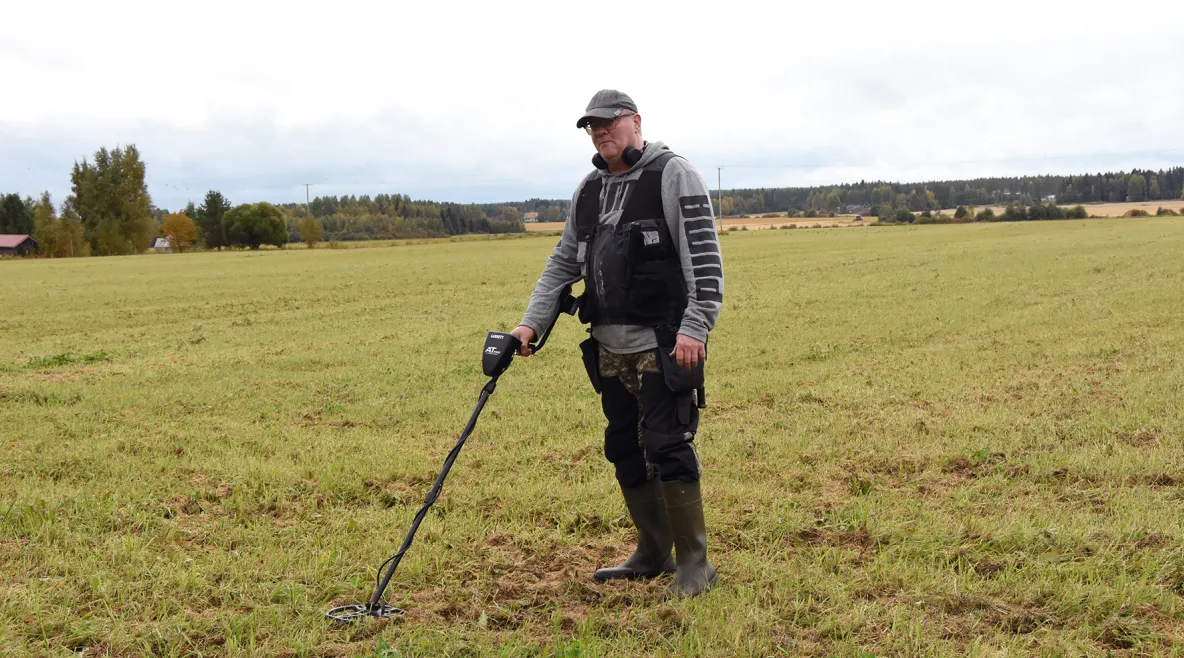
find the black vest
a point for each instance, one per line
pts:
(633, 274)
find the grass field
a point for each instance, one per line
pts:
(929, 440)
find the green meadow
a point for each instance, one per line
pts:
(923, 441)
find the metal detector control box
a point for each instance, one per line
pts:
(499, 351)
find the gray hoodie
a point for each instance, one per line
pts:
(686, 203)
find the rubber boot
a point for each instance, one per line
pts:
(694, 574)
(652, 557)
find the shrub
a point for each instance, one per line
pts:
(1076, 212)
(1136, 212)
(961, 212)
(311, 231)
(1014, 213)
(1162, 212)
(926, 218)
(770, 215)
(792, 226)
(816, 226)
(903, 215)
(986, 215)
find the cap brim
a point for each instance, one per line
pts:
(598, 113)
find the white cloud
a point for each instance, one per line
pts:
(477, 101)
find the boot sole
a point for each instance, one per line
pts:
(629, 575)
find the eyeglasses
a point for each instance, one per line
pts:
(596, 124)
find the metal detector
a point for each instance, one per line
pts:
(499, 352)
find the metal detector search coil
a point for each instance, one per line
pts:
(348, 614)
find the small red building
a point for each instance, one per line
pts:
(17, 245)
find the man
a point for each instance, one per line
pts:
(642, 237)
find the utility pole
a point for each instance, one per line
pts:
(719, 193)
(307, 206)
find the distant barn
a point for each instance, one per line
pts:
(162, 246)
(17, 245)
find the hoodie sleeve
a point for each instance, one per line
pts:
(560, 270)
(687, 204)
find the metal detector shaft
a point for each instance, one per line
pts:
(376, 598)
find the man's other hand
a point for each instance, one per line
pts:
(524, 334)
(688, 352)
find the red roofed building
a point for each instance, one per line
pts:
(530, 217)
(17, 245)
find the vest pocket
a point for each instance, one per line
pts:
(654, 273)
(656, 297)
(649, 241)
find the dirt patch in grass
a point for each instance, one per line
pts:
(1068, 477)
(528, 589)
(853, 538)
(1143, 437)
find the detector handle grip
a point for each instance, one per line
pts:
(565, 304)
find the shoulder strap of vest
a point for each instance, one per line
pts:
(659, 163)
(587, 210)
(646, 200)
(587, 216)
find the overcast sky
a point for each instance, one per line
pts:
(460, 101)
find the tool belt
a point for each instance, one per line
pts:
(687, 384)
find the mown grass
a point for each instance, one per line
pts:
(946, 440)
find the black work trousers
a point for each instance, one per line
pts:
(651, 429)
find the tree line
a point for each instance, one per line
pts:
(110, 212)
(870, 196)
(392, 216)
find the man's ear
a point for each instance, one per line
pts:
(637, 123)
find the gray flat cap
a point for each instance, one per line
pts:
(606, 104)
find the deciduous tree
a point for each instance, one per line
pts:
(180, 230)
(255, 224)
(111, 200)
(1136, 188)
(57, 237)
